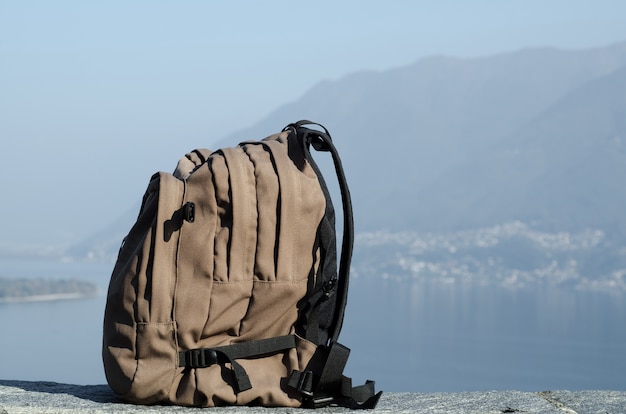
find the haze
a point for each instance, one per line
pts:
(95, 97)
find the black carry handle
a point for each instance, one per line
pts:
(322, 141)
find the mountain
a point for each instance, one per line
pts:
(104, 245)
(564, 170)
(443, 145)
(403, 130)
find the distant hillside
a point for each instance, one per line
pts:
(446, 144)
(30, 290)
(104, 245)
(563, 170)
(406, 132)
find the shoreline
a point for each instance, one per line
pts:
(52, 297)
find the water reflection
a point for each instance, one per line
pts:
(421, 337)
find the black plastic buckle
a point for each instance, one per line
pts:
(305, 383)
(201, 358)
(319, 401)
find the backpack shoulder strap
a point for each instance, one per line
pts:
(330, 385)
(322, 141)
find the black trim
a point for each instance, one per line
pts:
(331, 386)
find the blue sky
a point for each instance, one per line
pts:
(96, 96)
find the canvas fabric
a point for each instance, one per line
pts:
(224, 251)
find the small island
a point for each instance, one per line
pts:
(41, 289)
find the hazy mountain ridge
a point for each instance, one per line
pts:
(447, 144)
(400, 130)
(562, 171)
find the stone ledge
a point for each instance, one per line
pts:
(47, 397)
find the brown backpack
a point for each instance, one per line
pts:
(226, 289)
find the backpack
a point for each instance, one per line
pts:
(226, 289)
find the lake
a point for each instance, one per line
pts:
(405, 335)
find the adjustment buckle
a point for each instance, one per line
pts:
(321, 401)
(305, 383)
(201, 358)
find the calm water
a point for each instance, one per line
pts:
(406, 336)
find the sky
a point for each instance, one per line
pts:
(97, 96)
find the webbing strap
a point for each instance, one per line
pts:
(333, 369)
(332, 387)
(204, 357)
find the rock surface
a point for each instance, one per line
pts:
(47, 397)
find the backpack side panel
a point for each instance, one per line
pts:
(139, 349)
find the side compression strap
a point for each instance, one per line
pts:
(332, 387)
(204, 357)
